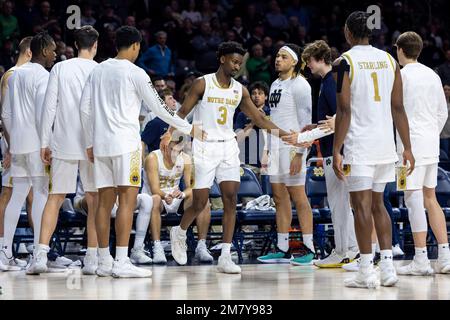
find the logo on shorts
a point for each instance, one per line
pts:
(347, 169)
(318, 172)
(292, 154)
(135, 175)
(328, 162)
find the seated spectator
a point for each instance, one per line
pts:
(69, 52)
(207, 12)
(45, 20)
(257, 66)
(241, 32)
(87, 16)
(9, 26)
(157, 60)
(163, 173)
(276, 21)
(444, 69)
(108, 20)
(185, 51)
(259, 91)
(205, 46)
(192, 14)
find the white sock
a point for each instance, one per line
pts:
(366, 260)
(92, 251)
(181, 232)
(121, 253)
(1, 242)
(103, 252)
(443, 250)
(145, 205)
(40, 195)
(12, 212)
(377, 248)
(226, 248)
(374, 249)
(420, 254)
(201, 243)
(308, 242)
(386, 256)
(42, 247)
(283, 241)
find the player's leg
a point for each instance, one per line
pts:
(229, 190)
(203, 220)
(346, 247)
(4, 199)
(144, 204)
(439, 227)
(159, 256)
(178, 234)
(127, 170)
(28, 208)
(21, 187)
(283, 218)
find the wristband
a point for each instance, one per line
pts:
(312, 135)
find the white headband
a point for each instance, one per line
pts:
(291, 52)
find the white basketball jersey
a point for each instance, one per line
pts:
(169, 179)
(216, 109)
(370, 138)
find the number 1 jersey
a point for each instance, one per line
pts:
(370, 138)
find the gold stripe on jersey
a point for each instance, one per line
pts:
(392, 62)
(219, 86)
(352, 68)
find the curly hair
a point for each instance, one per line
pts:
(229, 48)
(40, 42)
(357, 25)
(319, 50)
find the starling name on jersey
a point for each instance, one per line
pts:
(378, 65)
(170, 111)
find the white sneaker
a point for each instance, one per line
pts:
(203, 255)
(159, 257)
(90, 264)
(352, 266)
(3, 267)
(38, 263)
(226, 265)
(125, 269)
(363, 279)
(30, 248)
(105, 266)
(63, 261)
(388, 275)
(416, 269)
(443, 265)
(334, 260)
(178, 246)
(352, 255)
(139, 256)
(397, 251)
(11, 263)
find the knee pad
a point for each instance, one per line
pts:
(416, 211)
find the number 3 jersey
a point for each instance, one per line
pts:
(370, 137)
(216, 109)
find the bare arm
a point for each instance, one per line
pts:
(343, 117)
(151, 170)
(401, 120)
(257, 117)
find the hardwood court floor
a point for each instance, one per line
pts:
(266, 282)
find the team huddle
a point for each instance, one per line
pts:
(76, 129)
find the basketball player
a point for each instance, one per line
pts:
(164, 170)
(369, 98)
(290, 104)
(21, 116)
(317, 56)
(215, 97)
(426, 107)
(24, 57)
(109, 109)
(65, 153)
